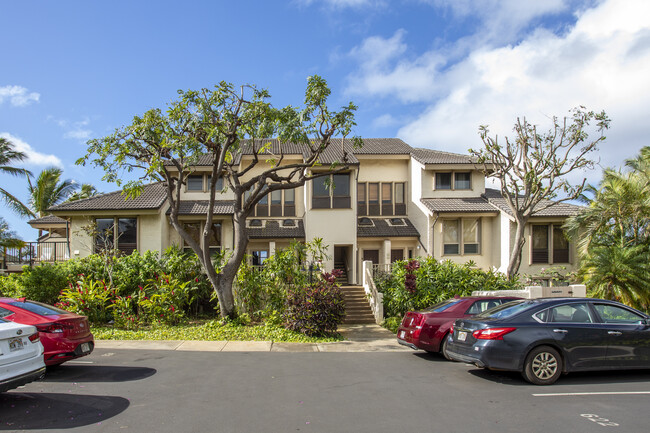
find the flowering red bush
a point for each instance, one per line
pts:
(317, 309)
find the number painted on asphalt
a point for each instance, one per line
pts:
(598, 419)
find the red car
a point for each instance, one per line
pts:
(64, 335)
(428, 329)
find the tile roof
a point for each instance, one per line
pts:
(152, 197)
(272, 229)
(382, 228)
(48, 219)
(557, 210)
(430, 156)
(200, 207)
(469, 204)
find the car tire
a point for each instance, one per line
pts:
(443, 347)
(543, 366)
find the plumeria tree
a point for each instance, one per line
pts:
(533, 167)
(218, 127)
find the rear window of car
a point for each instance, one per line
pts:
(442, 306)
(38, 308)
(506, 310)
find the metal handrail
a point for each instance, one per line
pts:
(35, 252)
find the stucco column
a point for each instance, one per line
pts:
(271, 248)
(387, 248)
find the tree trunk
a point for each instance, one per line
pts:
(518, 246)
(223, 282)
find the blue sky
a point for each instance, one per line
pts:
(427, 71)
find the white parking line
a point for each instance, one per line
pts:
(80, 362)
(570, 394)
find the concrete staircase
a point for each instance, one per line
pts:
(343, 278)
(357, 308)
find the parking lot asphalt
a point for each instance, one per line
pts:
(359, 338)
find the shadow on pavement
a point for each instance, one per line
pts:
(580, 378)
(97, 373)
(30, 411)
(433, 357)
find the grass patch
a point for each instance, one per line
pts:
(212, 330)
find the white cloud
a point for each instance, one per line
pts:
(602, 62)
(18, 96)
(74, 130)
(33, 157)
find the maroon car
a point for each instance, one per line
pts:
(64, 335)
(428, 329)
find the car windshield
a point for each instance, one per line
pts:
(506, 310)
(38, 308)
(442, 306)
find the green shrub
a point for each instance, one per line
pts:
(392, 324)
(43, 283)
(434, 282)
(164, 300)
(315, 310)
(10, 286)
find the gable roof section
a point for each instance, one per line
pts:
(469, 204)
(557, 210)
(152, 197)
(381, 228)
(430, 156)
(47, 219)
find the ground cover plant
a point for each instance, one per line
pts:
(418, 284)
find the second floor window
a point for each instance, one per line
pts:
(201, 183)
(461, 236)
(393, 198)
(549, 244)
(331, 192)
(459, 180)
(282, 203)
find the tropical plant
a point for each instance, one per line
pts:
(8, 157)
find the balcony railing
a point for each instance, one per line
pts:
(35, 252)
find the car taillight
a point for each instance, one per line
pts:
(56, 328)
(417, 321)
(34, 338)
(492, 333)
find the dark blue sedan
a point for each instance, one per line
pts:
(543, 338)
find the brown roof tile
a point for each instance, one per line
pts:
(152, 197)
(430, 156)
(272, 229)
(469, 204)
(200, 207)
(382, 228)
(557, 210)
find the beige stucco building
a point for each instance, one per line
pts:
(395, 202)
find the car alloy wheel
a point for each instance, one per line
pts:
(543, 366)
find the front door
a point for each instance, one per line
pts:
(371, 255)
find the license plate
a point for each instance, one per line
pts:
(462, 336)
(401, 334)
(15, 344)
(85, 347)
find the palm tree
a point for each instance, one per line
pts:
(623, 274)
(613, 235)
(49, 190)
(8, 157)
(87, 190)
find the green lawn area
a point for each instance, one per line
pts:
(211, 330)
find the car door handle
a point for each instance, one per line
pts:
(560, 331)
(614, 333)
